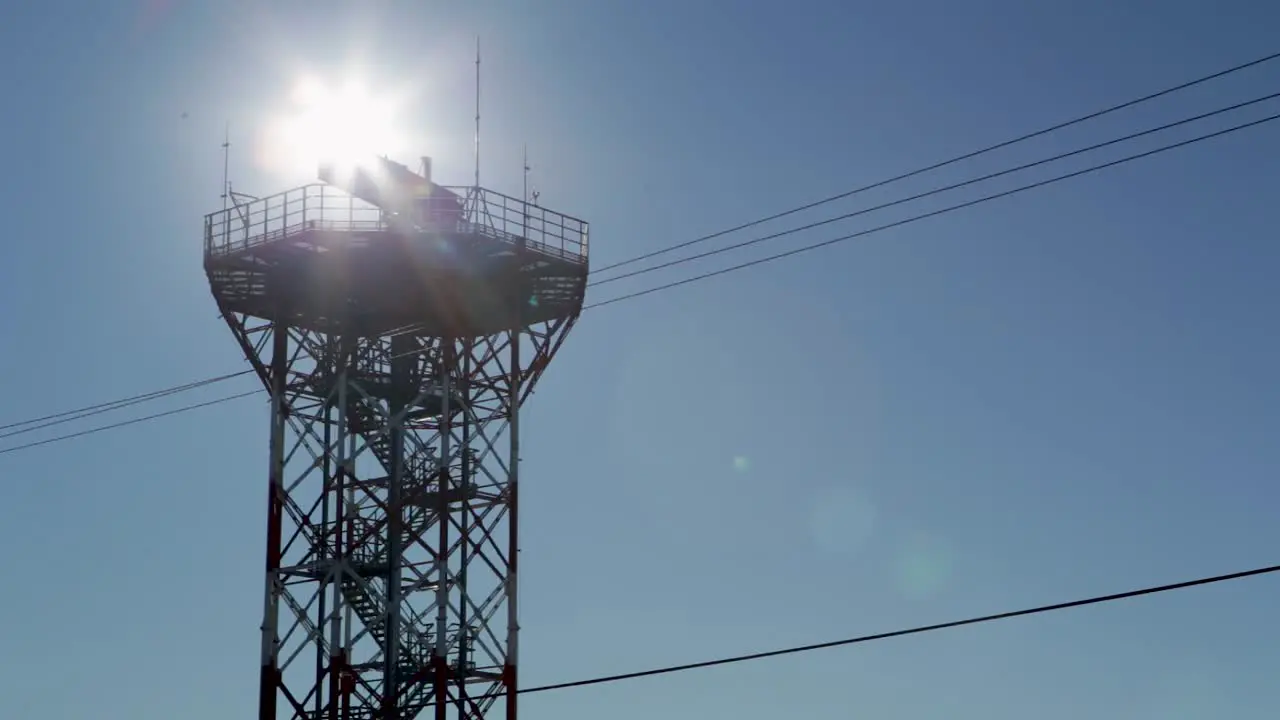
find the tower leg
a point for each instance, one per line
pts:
(513, 527)
(269, 679)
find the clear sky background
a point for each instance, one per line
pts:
(1065, 393)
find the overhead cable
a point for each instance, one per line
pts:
(935, 213)
(67, 416)
(131, 421)
(917, 630)
(946, 188)
(959, 158)
(91, 410)
(760, 261)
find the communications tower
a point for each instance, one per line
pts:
(397, 325)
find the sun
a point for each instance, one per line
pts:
(341, 124)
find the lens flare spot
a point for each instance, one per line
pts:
(923, 567)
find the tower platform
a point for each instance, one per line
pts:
(320, 259)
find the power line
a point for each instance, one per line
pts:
(91, 410)
(132, 421)
(752, 263)
(920, 629)
(945, 163)
(922, 216)
(937, 191)
(744, 226)
(88, 410)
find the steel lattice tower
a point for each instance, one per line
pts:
(397, 336)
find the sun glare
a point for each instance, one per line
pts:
(342, 124)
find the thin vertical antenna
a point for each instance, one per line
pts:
(226, 165)
(477, 112)
(524, 205)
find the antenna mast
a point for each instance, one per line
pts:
(226, 165)
(477, 178)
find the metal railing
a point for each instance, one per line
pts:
(323, 208)
(508, 218)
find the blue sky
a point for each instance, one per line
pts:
(1060, 394)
